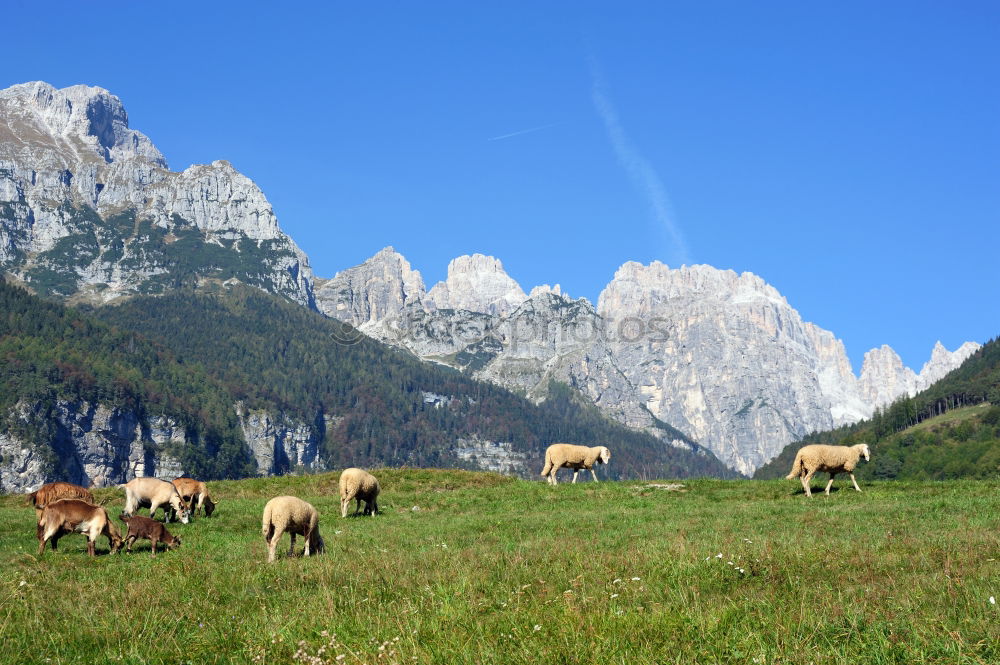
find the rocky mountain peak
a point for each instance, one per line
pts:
(884, 378)
(89, 207)
(637, 288)
(375, 290)
(942, 361)
(477, 283)
(89, 120)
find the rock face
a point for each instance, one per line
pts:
(88, 206)
(92, 445)
(279, 444)
(720, 356)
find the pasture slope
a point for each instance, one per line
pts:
(466, 567)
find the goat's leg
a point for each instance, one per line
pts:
(152, 547)
(855, 482)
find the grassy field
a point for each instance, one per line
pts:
(477, 568)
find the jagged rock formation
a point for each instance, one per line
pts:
(88, 206)
(720, 356)
(885, 379)
(374, 291)
(476, 283)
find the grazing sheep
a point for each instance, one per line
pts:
(140, 526)
(575, 457)
(359, 485)
(76, 516)
(832, 459)
(291, 514)
(50, 492)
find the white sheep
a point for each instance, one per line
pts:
(832, 459)
(291, 514)
(359, 485)
(575, 457)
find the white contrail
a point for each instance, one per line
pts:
(523, 131)
(640, 171)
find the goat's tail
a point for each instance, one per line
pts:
(796, 468)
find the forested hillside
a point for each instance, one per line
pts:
(950, 430)
(388, 407)
(49, 352)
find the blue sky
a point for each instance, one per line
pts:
(848, 152)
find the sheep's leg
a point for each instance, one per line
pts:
(291, 548)
(594, 475)
(307, 537)
(855, 483)
(552, 478)
(806, 479)
(575, 471)
(357, 505)
(273, 543)
(344, 505)
(830, 484)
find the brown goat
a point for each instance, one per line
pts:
(140, 526)
(192, 490)
(50, 492)
(76, 516)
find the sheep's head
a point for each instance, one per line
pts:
(605, 455)
(865, 452)
(318, 546)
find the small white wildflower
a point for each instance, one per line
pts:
(23, 583)
(338, 531)
(614, 595)
(719, 555)
(729, 562)
(537, 628)
(617, 580)
(636, 579)
(993, 601)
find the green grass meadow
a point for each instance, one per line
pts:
(467, 567)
